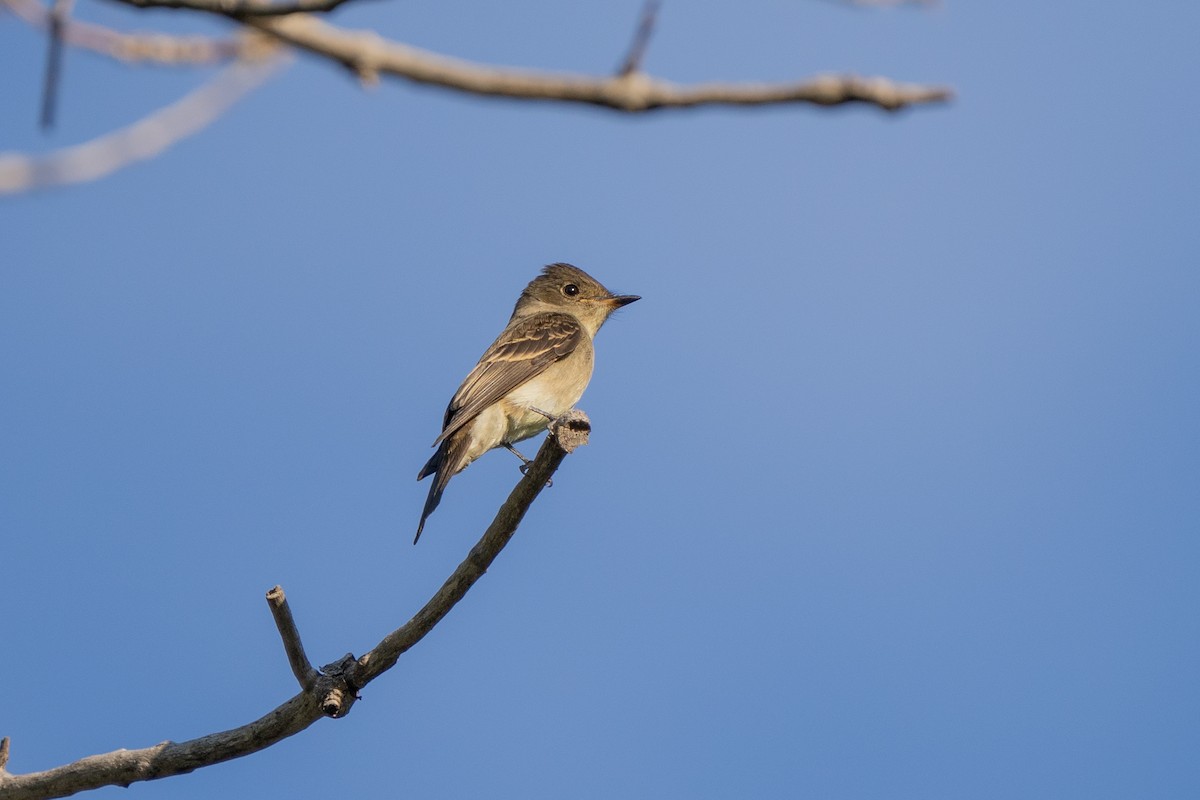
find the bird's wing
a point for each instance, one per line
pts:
(520, 354)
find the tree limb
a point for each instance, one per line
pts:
(243, 8)
(140, 47)
(370, 55)
(566, 433)
(329, 692)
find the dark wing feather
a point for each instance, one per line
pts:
(520, 354)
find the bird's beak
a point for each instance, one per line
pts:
(619, 300)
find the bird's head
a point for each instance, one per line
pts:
(568, 289)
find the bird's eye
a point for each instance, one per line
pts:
(570, 290)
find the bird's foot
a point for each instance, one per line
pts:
(525, 469)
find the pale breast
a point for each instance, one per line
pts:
(555, 391)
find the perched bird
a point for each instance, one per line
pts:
(533, 373)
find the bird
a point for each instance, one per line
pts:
(533, 373)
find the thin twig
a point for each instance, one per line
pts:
(641, 38)
(551, 454)
(334, 690)
(297, 658)
(59, 13)
(144, 139)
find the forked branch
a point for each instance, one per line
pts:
(332, 690)
(266, 23)
(369, 55)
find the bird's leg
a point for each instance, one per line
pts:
(549, 417)
(525, 462)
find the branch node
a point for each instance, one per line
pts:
(368, 76)
(334, 703)
(255, 45)
(571, 430)
(333, 685)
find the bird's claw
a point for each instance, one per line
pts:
(525, 470)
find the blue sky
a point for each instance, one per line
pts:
(894, 485)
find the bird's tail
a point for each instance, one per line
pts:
(443, 466)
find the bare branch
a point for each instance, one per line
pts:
(144, 139)
(243, 8)
(369, 55)
(567, 433)
(138, 47)
(297, 658)
(334, 688)
(3, 753)
(887, 3)
(641, 38)
(123, 767)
